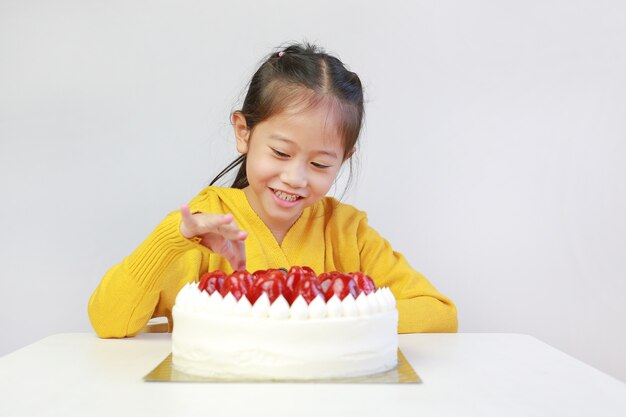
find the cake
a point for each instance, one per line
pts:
(281, 325)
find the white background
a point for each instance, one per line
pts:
(492, 156)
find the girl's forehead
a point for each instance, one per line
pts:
(304, 130)
(319, 123)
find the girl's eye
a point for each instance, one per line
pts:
(320, 166)
(279, 153)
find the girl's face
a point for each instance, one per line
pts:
(293, 159)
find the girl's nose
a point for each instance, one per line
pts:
(294, 175)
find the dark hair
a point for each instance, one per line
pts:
(301, 74)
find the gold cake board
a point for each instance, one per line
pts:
(401, 374)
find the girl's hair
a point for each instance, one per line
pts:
(296, 75)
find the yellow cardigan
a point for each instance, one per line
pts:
(329, 236)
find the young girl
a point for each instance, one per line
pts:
(299, 123)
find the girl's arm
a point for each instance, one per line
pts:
(421, 307)
(129, 292)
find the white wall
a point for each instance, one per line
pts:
(492, 154)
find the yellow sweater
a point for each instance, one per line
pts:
(329, 236)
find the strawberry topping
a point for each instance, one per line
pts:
(212, 281)
(364, 282)
(295, 274)
(299, 281)
(336, 283)
(308, 287)
(238, 284)
(272, 282)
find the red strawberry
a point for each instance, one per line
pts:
(363, 282)
(325, 279)
(308, 287)
(295, 274)
(262, 272)
(238, 284)
(212, 281)
(337, 283)
(245, 277)
(259, 273)
(271, 282)
(308, 270)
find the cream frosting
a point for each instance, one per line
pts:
(261, 308)
(299, 310)
(317, 308)
(279, 310)
(334, 307)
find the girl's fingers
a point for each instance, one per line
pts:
(200, 224)
(186, 213)
(241, 250)
(241, 266)
(210, 223)
(188, 226)
(236, 263)
(232, 232)
(237, 256)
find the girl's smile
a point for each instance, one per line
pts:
(285, 199)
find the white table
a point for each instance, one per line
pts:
(77, 374)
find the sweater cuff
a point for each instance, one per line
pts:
(164, 245)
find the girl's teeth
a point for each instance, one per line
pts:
(285, 196)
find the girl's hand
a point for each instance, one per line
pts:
(218, 232)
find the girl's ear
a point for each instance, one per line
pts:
(242, 133)
(349, 154)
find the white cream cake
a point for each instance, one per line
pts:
(222, 337)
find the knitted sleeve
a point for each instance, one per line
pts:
(126, 297)
(421, 307)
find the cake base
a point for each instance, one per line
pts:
(231, 347)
